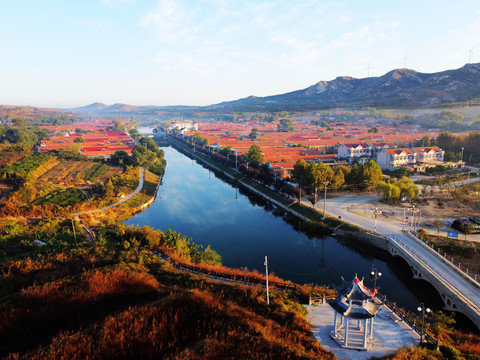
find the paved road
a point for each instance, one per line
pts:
(338, 207)
(126, 198)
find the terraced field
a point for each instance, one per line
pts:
(76, 174)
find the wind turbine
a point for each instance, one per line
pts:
(405, 61)
(368, 69)
(470, 52)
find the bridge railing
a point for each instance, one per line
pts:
(442, 280)
(473, 276)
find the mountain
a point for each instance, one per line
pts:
(397, 88)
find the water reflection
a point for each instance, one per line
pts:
(244, 228)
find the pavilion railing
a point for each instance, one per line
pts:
(407, 319)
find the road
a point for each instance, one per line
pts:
(126, 198)
(339, 207)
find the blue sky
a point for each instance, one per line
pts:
(67, 53)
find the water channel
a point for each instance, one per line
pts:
(243, 228)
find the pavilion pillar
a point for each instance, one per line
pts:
(365, 332)
(371, 327)
(335, 323)
(346, 331)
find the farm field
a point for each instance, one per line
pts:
(76, 174)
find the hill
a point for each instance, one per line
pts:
(397, 88)
(114, 301)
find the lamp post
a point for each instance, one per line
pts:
(325, 184)
(375, 274)
(236, 162)
(413, 210)
(266, 273)
(376, 212)
(423, 310)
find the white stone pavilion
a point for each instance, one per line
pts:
(355, 308)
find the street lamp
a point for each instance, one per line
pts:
(423, 310)
(325, 184)
(413, 210)
(376, 212)
(375, 274)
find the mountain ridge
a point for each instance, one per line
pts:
(397, 88)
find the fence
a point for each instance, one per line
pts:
(409, 320)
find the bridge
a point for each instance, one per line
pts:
(460, 291)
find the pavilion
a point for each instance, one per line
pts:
(355, 308)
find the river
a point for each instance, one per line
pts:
(244, 228)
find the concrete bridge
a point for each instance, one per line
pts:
(459, 291)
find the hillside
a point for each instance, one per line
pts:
(123, 302)
(397, 88)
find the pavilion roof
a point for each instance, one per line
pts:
(355, 300)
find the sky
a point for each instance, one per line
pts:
(69, 53)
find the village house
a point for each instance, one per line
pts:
(354, 151)
(395, 158)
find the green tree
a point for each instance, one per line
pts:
(338, 180)
(285, 125)
(253, 134)
(254, 155)
(372, 174)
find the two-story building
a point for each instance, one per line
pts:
(354, 151)
(395, 158)
(429, 154)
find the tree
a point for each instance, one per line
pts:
(79, 139)
(300, 171)
(372, 174)
(338, 180)
(118, 126)
(253, 134)
(108, 189)
(254, 155)
(285, 125)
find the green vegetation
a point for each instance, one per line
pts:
(453, 144)
(285, 125)
(254, 155)
(395, 190)
(20, 170)
(92, 173)
(61, 197)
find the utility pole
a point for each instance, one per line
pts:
(236, 156)
(266, 272)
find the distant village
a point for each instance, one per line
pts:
(368, 139)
